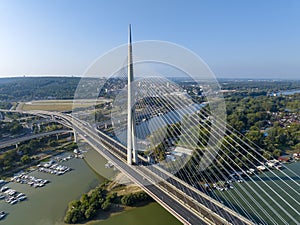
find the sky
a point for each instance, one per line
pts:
(237, 39)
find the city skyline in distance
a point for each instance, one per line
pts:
(254, 40)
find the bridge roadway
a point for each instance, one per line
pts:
(208, 210)
(118, 158)
(10, 142)
(189, 205)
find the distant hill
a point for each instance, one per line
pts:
(7, 80)
(36, 88)
(42, 88)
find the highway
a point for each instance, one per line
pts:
(7, 143)
(186, 203)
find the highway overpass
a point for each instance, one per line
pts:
(14, 141)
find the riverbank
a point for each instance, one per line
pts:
(107, 198)
(148, 212)
(47, 205)
(43, 153)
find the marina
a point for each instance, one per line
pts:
(11, 196)
(47, 205)
(53, 168)
(24, 178)
(241, 176)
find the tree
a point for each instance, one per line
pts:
(297, 146)
(15, 127)
(255, 135)
(112, 197)
(84, 198)
(33, 144)
(267, 155)
(90, 212)
(25, 159)
(131, 199)
(159, 152)
(127, 199)
(74, 204)
(276, 153)
(106, 205)
(76, 215)
(52, 143)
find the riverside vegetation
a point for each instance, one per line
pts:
(101, 199)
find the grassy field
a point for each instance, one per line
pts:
(57, 105)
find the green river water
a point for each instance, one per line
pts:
(47, 205)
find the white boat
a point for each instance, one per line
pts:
(12, 192)
(20, 195)
(2, 215)
(4, 188)
(261, 168)
(22, 198)
(278, 166)
(14, 201)
(108, 164)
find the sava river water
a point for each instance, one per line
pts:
(47, 205)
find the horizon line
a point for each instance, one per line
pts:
(80, 76)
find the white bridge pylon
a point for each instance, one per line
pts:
(132, 156)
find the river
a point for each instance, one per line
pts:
(150, 214)
(287, 92)
(148, 127)
(47, 205)
(275, 188)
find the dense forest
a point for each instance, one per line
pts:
(270, 122)
(259, 85)
(262, 127)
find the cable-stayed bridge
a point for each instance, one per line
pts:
(182, 198)
(185, 156)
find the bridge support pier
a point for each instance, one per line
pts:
(75, 136)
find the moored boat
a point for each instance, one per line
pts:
(2, 215)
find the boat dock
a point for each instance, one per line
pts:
(11, 196)
(24, 178)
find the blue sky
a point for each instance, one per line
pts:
(239, 39)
